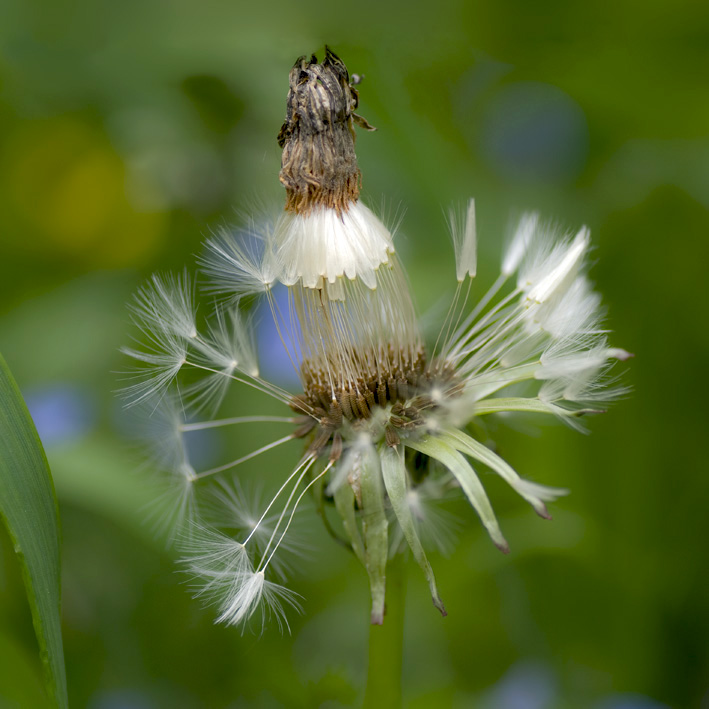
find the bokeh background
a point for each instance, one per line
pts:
(129, 131)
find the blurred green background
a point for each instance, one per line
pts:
(129, 131)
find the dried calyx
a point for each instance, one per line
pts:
(319, 165)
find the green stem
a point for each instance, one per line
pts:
(386, 643)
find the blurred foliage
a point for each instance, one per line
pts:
(129, 131)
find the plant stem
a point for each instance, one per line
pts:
(386, 643)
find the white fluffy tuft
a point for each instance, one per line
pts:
(161, 363)
(464, 236)
(166, 304)
(521, 240)
(239, 264)
(559, 270)
(323, 246)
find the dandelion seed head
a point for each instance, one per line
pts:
(388, 425)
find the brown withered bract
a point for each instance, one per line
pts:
(318, 164)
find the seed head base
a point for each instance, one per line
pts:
(399, 392)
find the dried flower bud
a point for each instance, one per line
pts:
(319, 165)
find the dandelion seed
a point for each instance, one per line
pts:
(166, 304)
(465, 243)
(239, 510)
(162, 363)
(238, 267)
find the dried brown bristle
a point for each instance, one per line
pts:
(318, 164)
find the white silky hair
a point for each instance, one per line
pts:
(361, 331)
(166, 304)
(209, 554)
(224, 570)
(224, 576)
(546, 329)
(569, 356)
(158, 427)
(229, 345)
(175, 506)
(518, 245)
(165, 311)
(464, 234)
(233, 506)
(576, 310)
(325, 245)
(576, 369)
(248, 594)
(239, 264)
(559, 275)
(552, 259)
(160, 363)
(436, 526)
(223, 354)
(322, 247)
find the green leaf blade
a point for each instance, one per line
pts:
(28, 508)
(394, 474)
(447, 455)
(375, 530)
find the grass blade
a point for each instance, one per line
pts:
(28, 508)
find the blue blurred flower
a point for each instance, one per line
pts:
(61, 413)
